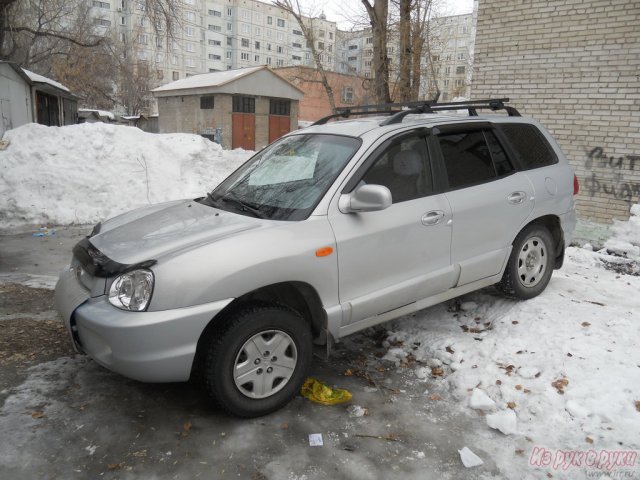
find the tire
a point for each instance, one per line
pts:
(530, 264)
(258, 361)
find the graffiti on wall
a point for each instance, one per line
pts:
(613, 181)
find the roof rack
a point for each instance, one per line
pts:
(423, 106)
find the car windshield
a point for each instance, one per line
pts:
(286, 180)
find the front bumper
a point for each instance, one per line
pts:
(146, 346)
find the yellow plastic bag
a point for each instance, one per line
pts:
(320, 393)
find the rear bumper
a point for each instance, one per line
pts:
(145, 346)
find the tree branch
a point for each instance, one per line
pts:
(60, 36)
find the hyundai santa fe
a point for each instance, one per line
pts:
(327, 231)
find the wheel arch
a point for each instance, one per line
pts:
(552, 223)
(299, 296)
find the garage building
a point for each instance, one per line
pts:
(243, 108)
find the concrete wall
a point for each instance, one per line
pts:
(16, 107)
(574, 65)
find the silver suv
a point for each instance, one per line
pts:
(327, 231)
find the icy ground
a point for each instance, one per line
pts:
(561, 371)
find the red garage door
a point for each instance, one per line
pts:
(243, 128)
(279, 118)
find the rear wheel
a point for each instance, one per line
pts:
(259, 360)
(530, 264)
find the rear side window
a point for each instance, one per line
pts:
(467, 158)
(532, 149)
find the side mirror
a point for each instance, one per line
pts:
(365, 198)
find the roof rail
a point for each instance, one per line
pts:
(471, 106)
(421, 106)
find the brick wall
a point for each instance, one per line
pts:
(574, 65)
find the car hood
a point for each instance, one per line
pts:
(151, 232)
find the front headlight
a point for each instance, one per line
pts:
(132, 290)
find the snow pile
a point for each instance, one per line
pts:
(626, 236)
(85, 173)
(559, 371)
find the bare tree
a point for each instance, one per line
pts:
(306, 25)
(378, 18)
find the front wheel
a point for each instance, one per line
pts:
(530, 264)
(259, 360)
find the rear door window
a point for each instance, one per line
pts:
(530, 146)
(472, 157)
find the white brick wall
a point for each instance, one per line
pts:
(574, 65)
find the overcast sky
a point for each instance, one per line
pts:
(345, 11)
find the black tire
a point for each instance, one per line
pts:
(522, 279)
(233, 352)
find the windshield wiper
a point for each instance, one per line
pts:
(243, 206)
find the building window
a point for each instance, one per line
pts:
(229, 26)
(279, 107)
(268, 60)
(446, 83)
(244, 104)
(352, 59)
(435, 58)
(174, 45)
(459, 83)
(159, 58)
(258, 31)
(142, 39)
(206, 102)
(280, 49)
(459, 70)
(269, 20)
(174, 59)
(213, 56)
(228, 55)
(369, 40)
(229, 12)
(245, 14)
(279, 63)
(215, 13)
(123, 21)
(297, 32)
(281, 23)
(269, 46)
(190, 62)
(280, 36)
(347, 95)
(330, 35)
(176, 75)
(189, 31)
(229, 41)
(215, 28)
(102, 22)
(101, 5)
(160, 74)
(297, 45)
(461, 56)
(257, 45)
(190, 17)
(447, 70)
(320, 45)
(191, 47)
(353, 47)
(245, 28)
(296, 57)
(244, 56)
(215, 43)
(245, 43)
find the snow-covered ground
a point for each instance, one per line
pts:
(85, 173)
(560, 372)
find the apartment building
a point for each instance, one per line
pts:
(217, 35)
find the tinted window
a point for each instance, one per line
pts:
(530, 146)
(500, 160)
(404, 169)
(467, 158)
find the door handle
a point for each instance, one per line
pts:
(516, 197)
(433, 217)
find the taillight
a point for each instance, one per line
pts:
(576, 185)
